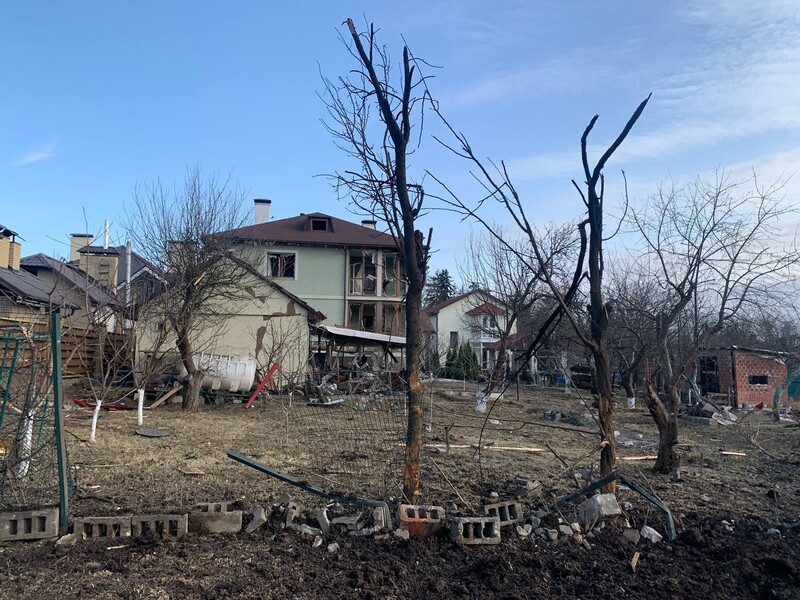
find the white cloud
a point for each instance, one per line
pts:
(39, 154)
(737, 78)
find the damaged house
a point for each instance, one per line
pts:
(742, 375)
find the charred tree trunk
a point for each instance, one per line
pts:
(413, 452)
(667, 424)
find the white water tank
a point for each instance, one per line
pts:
(229, 373)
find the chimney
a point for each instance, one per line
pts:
(368, 224)
(78, 241)
(261, 210)
(14, 252)
(5, 249)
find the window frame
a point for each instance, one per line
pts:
(282, 255)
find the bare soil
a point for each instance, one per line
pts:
(126, 473)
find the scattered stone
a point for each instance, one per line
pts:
(317, 542)
(527, 527)
(631, 535)
(535, 522)
(323, 520)
(586, 544)
(305, 529)
(626, 505)
(770, 531)
(71, 538)
(494, 495)
(283, 500)
(651, 534)
(540, 532)
(705, 498)
(552, 534)
(565, 529)
(576, 527)
(352, 523)
(402, 533)
(292, 510)
(380, 518)
(259, 518)
(577, 539)
(364, 532)
(597, 508)
(729, 528)
(453, 508)
(333, 547)
(540, 514)
(522, 531)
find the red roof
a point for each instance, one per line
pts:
(515, 341)
(300, 231)
(485, 309)
(432, 310)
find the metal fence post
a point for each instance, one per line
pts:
(58, 406)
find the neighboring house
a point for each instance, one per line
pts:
(477, 318)
(24, 298)
(267, 322)
(96, 305)
(745, 375)
(109, 267)
(352, 273)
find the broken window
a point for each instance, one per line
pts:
(281, 264)
(757, 380)
(363, 273)
(394, 321)
(393, 282)
(362, 316)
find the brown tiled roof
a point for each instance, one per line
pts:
(432, 310)
(485, 309)
(297, 231)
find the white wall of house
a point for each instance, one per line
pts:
(453, 325)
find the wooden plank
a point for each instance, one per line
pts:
(649, 457)
(166, 396)
(731, 453)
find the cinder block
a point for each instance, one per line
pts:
(474, 531)
(103, 527)
(508, 513)
(29, 525)
(164, 527)
(421, 521)
(214, 517)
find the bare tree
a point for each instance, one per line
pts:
(632, 336)
(509, 278)
(498, 186)
(380, 185)
(712, 248)
(178, 231)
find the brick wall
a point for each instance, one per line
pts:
(757, 377)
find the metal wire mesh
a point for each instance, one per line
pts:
(28, 451)
(353, 447)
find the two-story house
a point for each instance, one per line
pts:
(352, 273)
(476, 318)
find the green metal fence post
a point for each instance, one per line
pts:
(58, 411)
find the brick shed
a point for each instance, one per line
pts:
(745, 375)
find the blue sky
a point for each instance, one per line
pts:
(96, 97)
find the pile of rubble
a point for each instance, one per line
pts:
(483, 528)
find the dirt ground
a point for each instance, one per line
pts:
(723, 505)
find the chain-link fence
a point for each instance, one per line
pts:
(29, 467)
